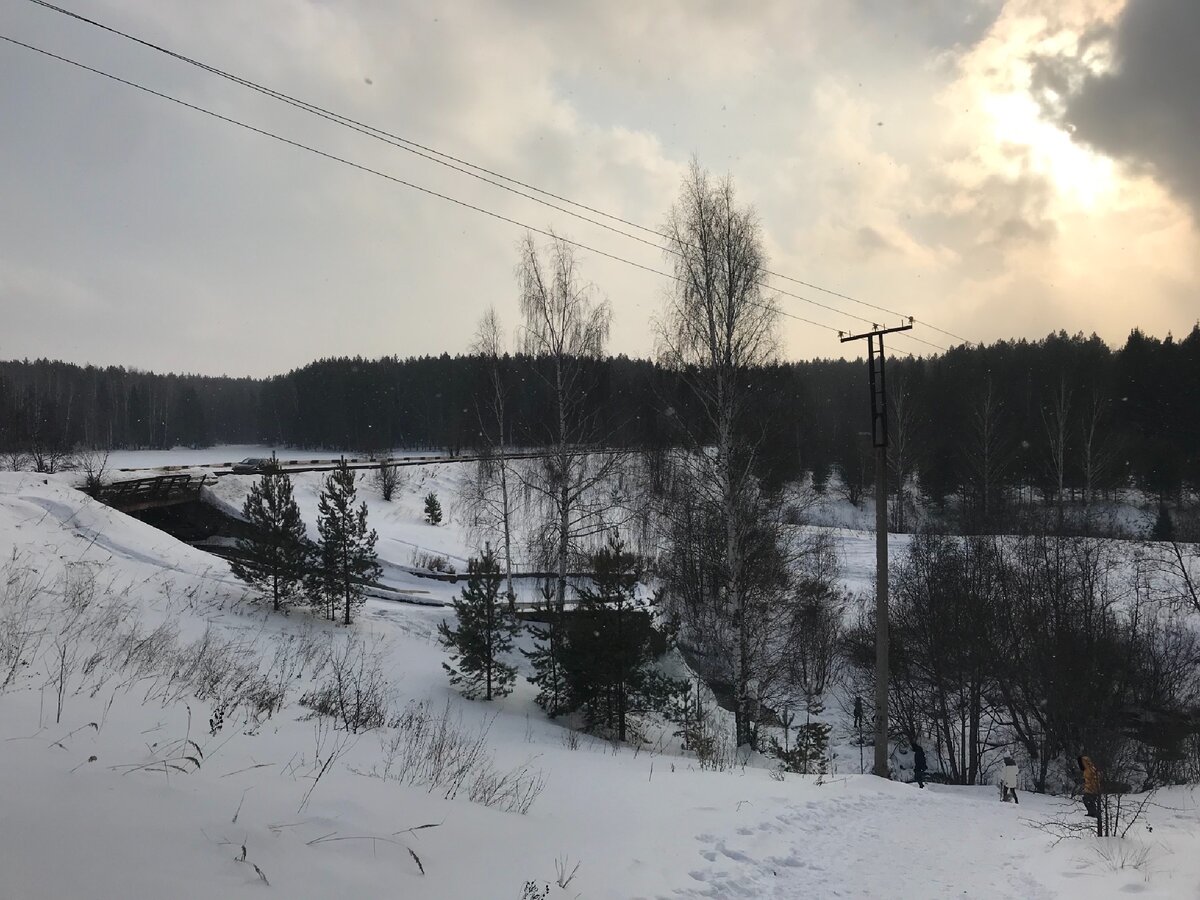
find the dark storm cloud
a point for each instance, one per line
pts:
(1146, 111)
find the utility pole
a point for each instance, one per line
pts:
(879, 438)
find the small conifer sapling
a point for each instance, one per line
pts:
(487, 625)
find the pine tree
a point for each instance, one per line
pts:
(433, 509)
(487, 625)
(809, 754)
(346, 551)
(275, 557)
(610, 647)
(546, 656)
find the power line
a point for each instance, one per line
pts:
(331, 156)
(422, 151)
(464, 167)
(338, 159)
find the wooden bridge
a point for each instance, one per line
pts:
(149, 493)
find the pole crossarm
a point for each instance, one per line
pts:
(878, 332)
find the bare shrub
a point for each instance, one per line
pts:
(94, 464)
(512, 791)
(566, 874)
(21, 629)
(331, 745)
(227, 673)
(1118, 855)
(295, 656)
(354, 693)
(387, 480)
(51, 458)
(183, 756)
(434, 750)
(102, 636)
(15, 461)
(700, 733)
(87, 636)
(78, 596)
(432, 562)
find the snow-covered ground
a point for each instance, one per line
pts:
(139, 791)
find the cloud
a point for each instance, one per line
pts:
(1144, 109)
(148, 235)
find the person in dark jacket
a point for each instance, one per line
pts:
(919, 768)
(858, 712)
(1091, 786)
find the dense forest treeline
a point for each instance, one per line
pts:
(1066, 416)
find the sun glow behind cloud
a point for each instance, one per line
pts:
(1078, 175)
(1015, 113)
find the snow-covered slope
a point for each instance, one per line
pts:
(158, 773)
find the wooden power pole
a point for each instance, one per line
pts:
(879, 438)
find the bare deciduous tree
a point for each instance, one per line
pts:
(1056, 421)
(15, 460)
(903, 448)
(565, 331)
(1175, 567)
(986, 455)
(1096, 449)
(94, 464)
(718, 325)
(387, 480)
(488, 495)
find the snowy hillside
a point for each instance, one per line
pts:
(152, 735)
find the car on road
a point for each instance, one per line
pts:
(252, 465)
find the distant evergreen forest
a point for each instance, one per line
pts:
(1066, 416)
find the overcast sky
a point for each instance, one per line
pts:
(997, 169)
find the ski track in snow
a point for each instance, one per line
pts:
(66, 516)
(862, 845)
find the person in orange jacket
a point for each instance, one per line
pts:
(1091, 786)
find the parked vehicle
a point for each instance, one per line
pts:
(255, 466)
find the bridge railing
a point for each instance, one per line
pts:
(141, 493)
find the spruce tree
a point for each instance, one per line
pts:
(276, 555)
(546, 656)
(433, 509)
(808, 755)
(487, 625)
(610, 647)
(346, 551)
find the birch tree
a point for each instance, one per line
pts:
(986, 454)
(902, 452)
(1056, 422)
(1096, 450)
(488, 496)
(565, 331)
(719, 324)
